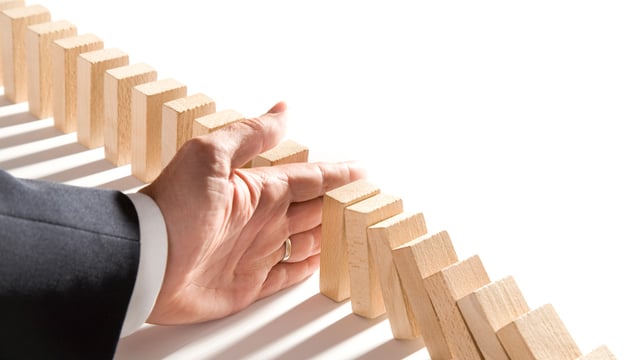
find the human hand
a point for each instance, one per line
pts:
(227, 225)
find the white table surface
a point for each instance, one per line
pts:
(514, 127)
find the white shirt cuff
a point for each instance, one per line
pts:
(152, 265)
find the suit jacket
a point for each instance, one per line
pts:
(68, 263)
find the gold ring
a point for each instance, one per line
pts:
(287, 250)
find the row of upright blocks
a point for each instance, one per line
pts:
(383, 259)
(94, 91)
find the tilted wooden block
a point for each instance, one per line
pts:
(445, 288)
(334, 257)
(366, 295)
(118, 86)
(90, 106)
(383, 237)
(286, 152)
(39, 64)
(212, 122)
(539, 334)
(490, 308)
(65, 80)
(13, 29)
(601, 353)
(5, 5)
(146, 125)
(415, 261)
(177, 122)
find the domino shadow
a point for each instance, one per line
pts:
(122, 184)
(79, 171)
(44, 155)
(16, 119)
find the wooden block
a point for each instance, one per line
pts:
(5, 5)
(39, 64)
(65, 80)
(334, 257)
(92, 66)
(383, 237)
(415, 261)
(212, 122)
(490, 308)
(539, 334)
(177, 122)
(146, 125)
(13, 28)
(366, 295)
(601, 353)
(445, 288)
(286, 152)
(118, 86)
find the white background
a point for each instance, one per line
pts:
(511, 125)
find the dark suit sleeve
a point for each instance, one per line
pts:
(68, 263)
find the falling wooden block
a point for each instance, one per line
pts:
(415, 261)
(286, 152)
(366, 295)
(490, 308)
(39, 64)
(445, 288)
(118, 86)
(65, 80)
(13, 29)
(539, 334)
(383, 237)
(177, 122)
(334, 257)
(212, 122)
(5, 5)
(90, 104)
(146, 125)
(601, 353)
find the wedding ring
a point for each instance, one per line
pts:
(287, 250)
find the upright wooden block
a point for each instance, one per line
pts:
(13, 28)
(286, 152)
(212, 122)
(65, 80)
(415, 261)
(146, 125)
(366, 294)
(118, 86)
(334, 257)
(490, 308)
(601, 353)
(39, 64)
(383, 237)
(177, 122)
(445, 288)
(539, 334)
(92, 66)
(5, 5)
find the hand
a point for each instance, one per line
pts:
(227, 225)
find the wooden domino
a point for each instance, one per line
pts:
(366, 294)
(65, 81)
(177, 122)
(415, 261)
(212, 122)
(539, 334)
(334, 257)
(383, 237)
(5, 5)
(490, 308)
(13, 28)
(601, 353)
(445, 288)
(118, 87)
(39, 64)
(286, 152)
(90, 103)
(146, 125)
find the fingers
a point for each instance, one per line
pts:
(305, 244)
(285, 275)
